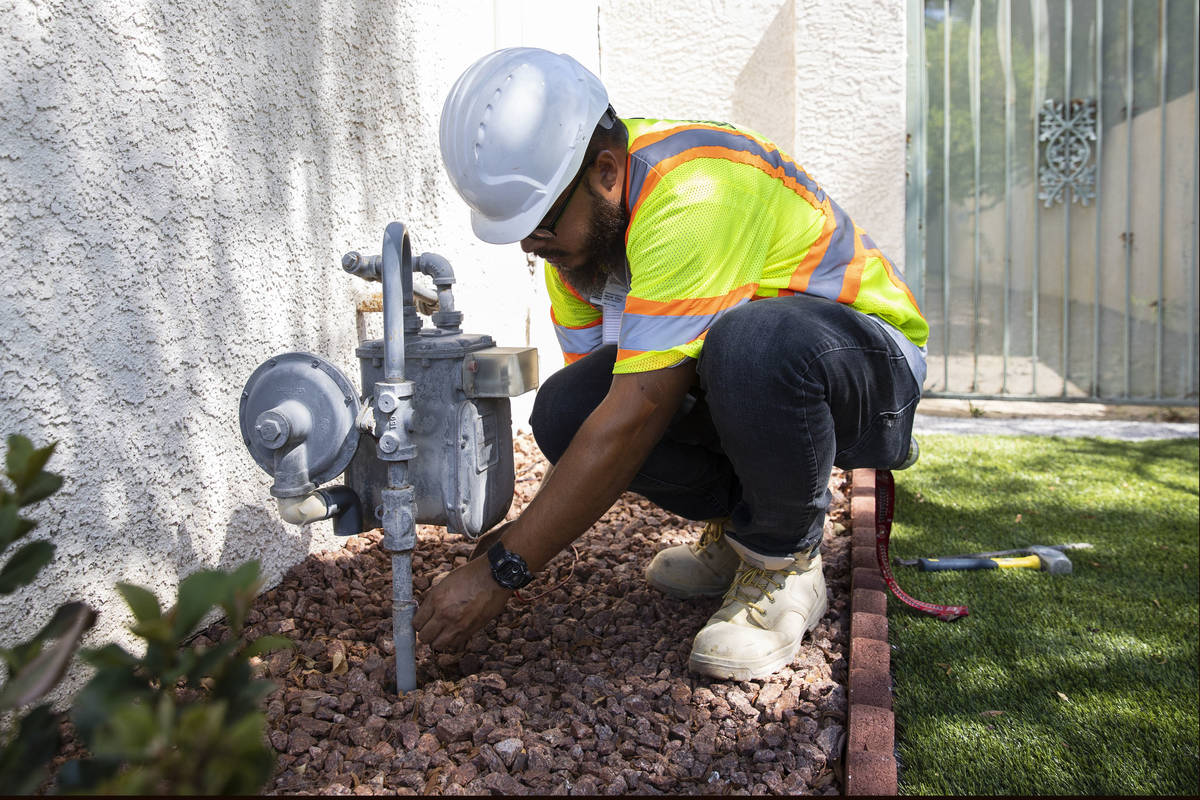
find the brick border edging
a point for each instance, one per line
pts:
(871, 738)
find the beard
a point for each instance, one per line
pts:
(605, 248)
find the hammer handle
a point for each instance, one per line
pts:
(942, 564)
(961, 563)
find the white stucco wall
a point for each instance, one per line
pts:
(825, 79)
(179, 181)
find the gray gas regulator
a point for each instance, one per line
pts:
(429, 440)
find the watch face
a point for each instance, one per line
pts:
(508, 569)
(511, 573)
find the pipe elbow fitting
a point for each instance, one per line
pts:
(436, 267)
(303, 510)
(340, 503)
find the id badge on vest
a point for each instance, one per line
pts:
(612, 305)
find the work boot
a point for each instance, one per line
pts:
(703, 569)
(914, 452)
(771, 604)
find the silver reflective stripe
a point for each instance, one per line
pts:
(577, 341)
(915, 356)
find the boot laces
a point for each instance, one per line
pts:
(712, 533)
(753, 584)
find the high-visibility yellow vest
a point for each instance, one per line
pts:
(719, 216)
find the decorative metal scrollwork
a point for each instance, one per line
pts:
(1068, 133)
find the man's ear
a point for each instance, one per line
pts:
(608, 178)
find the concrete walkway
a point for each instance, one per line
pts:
(1128, 430)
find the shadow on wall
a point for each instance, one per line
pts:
(764, 96)
(193, 183)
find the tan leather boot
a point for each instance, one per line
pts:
(703, 569)
(769, 607)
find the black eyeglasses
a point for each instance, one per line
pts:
(545, 231)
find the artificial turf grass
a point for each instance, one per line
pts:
(1094, 673)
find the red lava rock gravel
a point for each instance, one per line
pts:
(584, 690)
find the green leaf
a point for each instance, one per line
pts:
(210, 661)
(111, 657)
(23, 463)
(40, 487)
(198, 593)
(243, 588)
(130, 733)
(25, 564)
(109, 689)
(141, 601)
(24, 757)
(245, 576)
(19, 458)
(44, 672)
(17, 657)
(12, 525)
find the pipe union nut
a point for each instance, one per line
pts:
(273, 429)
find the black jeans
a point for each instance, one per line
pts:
(788, 388)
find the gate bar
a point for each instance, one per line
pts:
(1009, 125)
(1099, 82)
(946, 199)
(1190, 368)
(1128, 190)
(1035, 278)
(1162, 196)
(976, 289)
(1068, 197)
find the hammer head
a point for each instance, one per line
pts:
(1053, 561)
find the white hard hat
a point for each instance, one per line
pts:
(515, 128)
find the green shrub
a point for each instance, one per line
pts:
(30, 740)
(180, 719)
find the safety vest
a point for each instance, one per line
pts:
(719, 217)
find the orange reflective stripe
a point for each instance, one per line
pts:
(624, 354)
(592, 324)
(899, 284)
(691, 306)
(571, 358)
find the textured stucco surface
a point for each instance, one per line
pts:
(824, 79)
(179, 181)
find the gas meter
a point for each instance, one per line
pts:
(428, 440)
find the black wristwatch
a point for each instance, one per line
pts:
(509, 569)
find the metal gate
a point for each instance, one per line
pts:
(1052, 197)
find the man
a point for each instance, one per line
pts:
(729, 333)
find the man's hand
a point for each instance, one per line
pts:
(452, 611)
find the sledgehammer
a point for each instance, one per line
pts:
(1046, 559)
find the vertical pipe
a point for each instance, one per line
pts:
(946, 198)
(1128, 237)
(1160, 306)
(1068, 197)
(399, 522)
(397, 259)
(973, 56)
(1035, 278)
(1009, 103)
(1099, 83)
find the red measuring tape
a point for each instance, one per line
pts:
(885, 506)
